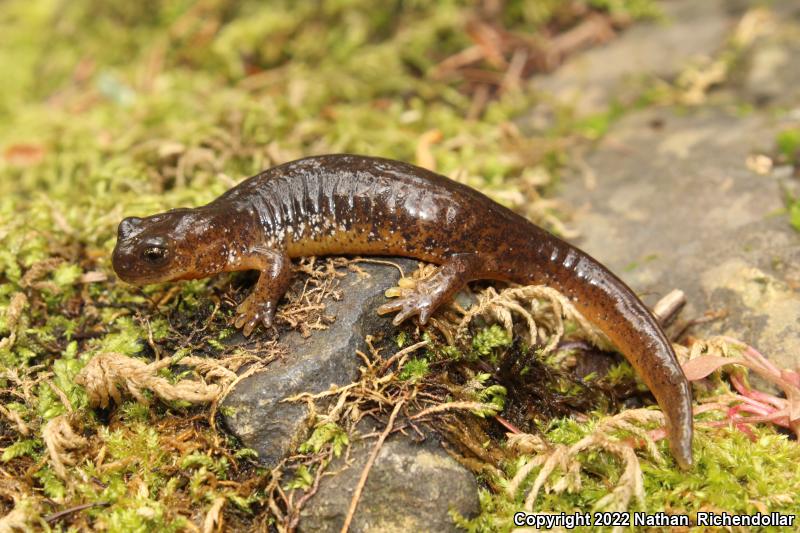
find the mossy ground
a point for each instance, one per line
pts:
(109, 109)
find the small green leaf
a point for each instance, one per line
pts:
(794, 214)
(789, 143)
(20, 448)
(326, 433)
(302, 479)
(414, 370)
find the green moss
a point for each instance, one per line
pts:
(794, 215)
(245, 453)
(303, 479)
(134, 412)
(415, 369)
(494, 395)
(789, 144)
(21, 448)
(204, 462)
(733, 473)
(329, 433)
(142, 515)
(401, 339)
(51, 484)
(486, 341)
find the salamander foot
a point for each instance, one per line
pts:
(252, 311)
(432, 292)
(415, 303)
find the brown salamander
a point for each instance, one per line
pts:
(347, 204)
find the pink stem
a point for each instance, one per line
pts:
(755, 355)
(508, 425)
(757, 395)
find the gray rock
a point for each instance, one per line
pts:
(589, 82)
(771, 68)
(254, 411)
(411, 487)
(675, 206)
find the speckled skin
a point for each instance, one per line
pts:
(346, 204)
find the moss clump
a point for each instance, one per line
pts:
(415, 369)
(734, 473)
(486, 342)
(326, 434)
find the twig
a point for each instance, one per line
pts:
(379, 262)
(61, 395)
(61, 514)
(508, 425)
(214, 516)
(400, 354)
(669, 306)
(151, 341)
(471, 406)
(13, 416)
(294, 515)
(367, 467)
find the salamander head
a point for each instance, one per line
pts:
(178, 244)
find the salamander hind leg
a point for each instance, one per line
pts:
(260, 305)
(432, 292)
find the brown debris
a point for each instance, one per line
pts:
(14, 417)
(37, 271)
(108, 373)
(424, 156)
(565, 459)
(499, 60)
(62, 443)
(306, 311)
(22, 518)
(13, 314)
(214, 519)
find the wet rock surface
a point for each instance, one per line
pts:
(771, 68)
(411, 487)
(254, 410)
(668, 200)
(676, 206)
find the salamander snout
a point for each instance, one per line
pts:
(140, 257)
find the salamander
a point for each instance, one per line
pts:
(356, 205)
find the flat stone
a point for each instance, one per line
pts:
(676, 206)
(411, 487)
(772, 65)
(591, 81)
(254, 411)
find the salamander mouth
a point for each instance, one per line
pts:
(145, 279)
(130, 269)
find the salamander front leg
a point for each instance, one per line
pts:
(431, 293)
(260, 305)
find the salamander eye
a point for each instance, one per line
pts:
(154, 254)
